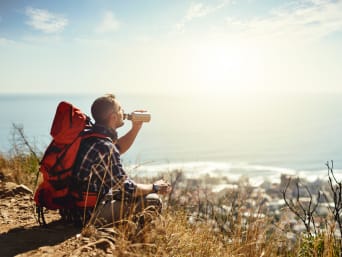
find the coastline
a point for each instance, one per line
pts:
(255, 174)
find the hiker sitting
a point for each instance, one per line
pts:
(99, 174)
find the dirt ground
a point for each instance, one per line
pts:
(21, 234)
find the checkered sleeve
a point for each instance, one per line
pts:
(101, 168)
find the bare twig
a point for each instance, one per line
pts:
(336, 190)
(304, 213)
(20, 131)
(174, 181)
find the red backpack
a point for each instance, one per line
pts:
(67, 131)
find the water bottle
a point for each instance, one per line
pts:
(137, 116)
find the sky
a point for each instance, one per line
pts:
(175, 46)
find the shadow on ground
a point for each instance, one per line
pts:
(20, 240)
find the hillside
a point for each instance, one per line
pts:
(195, 222)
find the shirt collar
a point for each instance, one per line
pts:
(98, 128)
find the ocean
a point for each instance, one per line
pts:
(258, 136)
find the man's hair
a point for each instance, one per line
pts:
(102, 107)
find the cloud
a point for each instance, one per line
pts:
(45, 21)
(305, 20)
(198, 10)
(42, 39)
(5, 41)
(108, 24)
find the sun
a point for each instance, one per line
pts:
(226, 67)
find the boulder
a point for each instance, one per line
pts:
(12, 189)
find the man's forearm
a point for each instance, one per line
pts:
(160, 187)
(127, 140)
(143, 189)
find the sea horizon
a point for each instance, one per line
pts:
(256, 136)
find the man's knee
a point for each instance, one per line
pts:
(113, 211)
(153, 201)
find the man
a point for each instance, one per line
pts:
(98, 169)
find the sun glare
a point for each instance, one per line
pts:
(223, 68)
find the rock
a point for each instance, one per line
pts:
(47, 249)
(4, 214)
(26, 197)
(12, 189)
(2, 176)
(22, 189)
(5, 204)
(6, 188)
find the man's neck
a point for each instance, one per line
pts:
(107, 130)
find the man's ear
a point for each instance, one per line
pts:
(111, 119)
(115, 116)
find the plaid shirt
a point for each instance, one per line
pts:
(98, 167)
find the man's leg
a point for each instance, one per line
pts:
(113, 211)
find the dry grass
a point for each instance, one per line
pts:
(187, 230)
(172, 235)
(21, 169)
(178, 233)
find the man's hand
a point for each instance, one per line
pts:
(160, 187)
(136, 125)
(164, 188)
